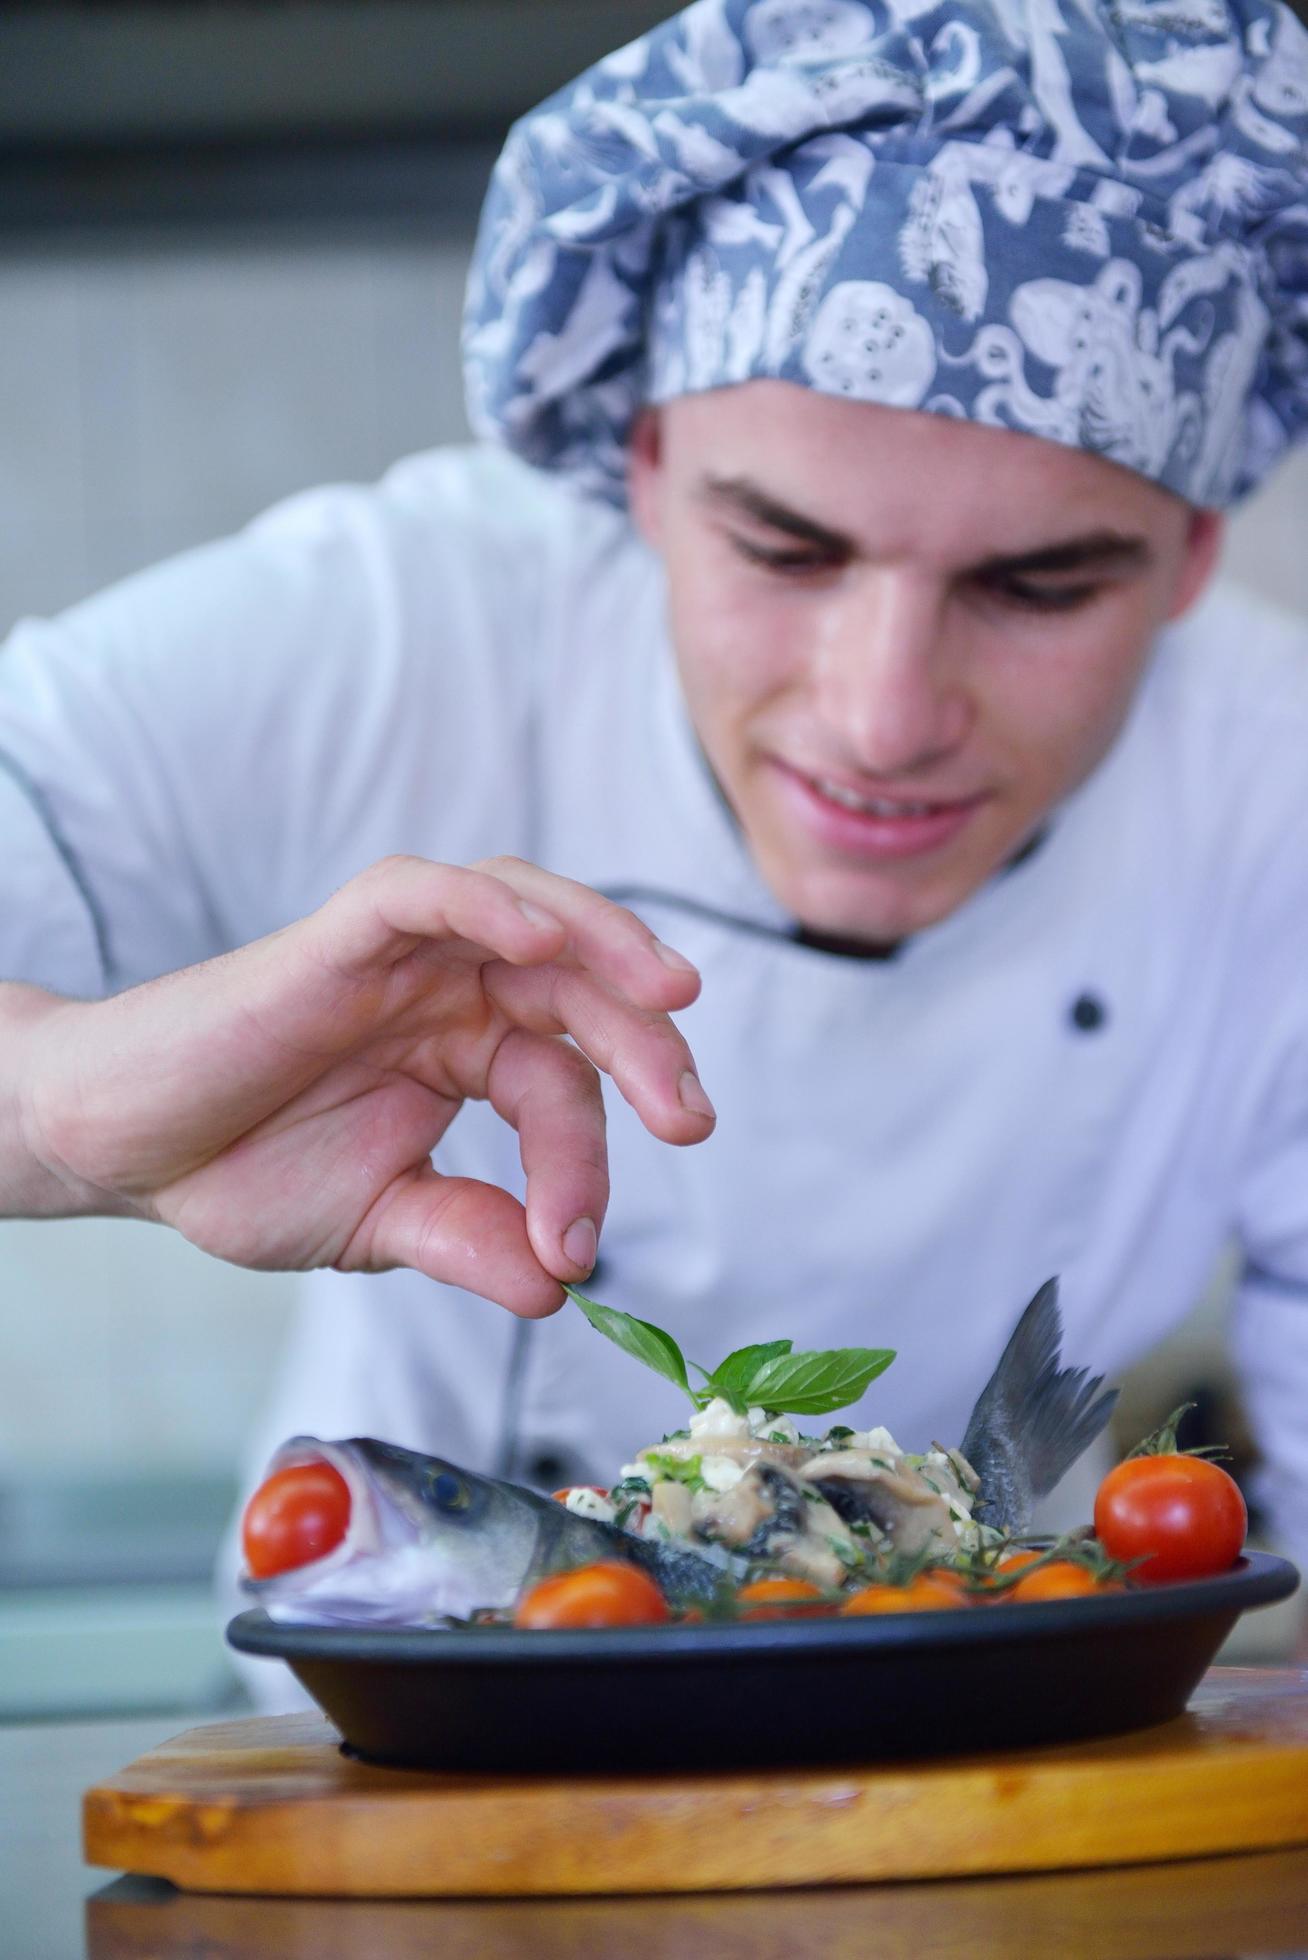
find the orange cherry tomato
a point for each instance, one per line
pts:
(925, 1594)
(781, 1599)
(1182, 1515)
(296, 1515)
(1010, 1562)
(1061, 1579)
(608, 1593)
(945, 1575)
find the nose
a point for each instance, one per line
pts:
(884, 679)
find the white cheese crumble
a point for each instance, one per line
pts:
(775, 1429)
(720, 1472)
(878, 1440)
(718, 1419)
(586, 1503)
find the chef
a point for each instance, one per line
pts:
(803, 733)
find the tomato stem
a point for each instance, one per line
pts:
(1163, 1441)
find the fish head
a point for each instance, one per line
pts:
(426, 1540)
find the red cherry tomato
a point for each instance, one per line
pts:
(1182, 1515)
(608, 1593)
(296, 1515)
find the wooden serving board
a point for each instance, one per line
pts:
(270, 1805)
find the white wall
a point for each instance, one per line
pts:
(149, 399)
(156, 397)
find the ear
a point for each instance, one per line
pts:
(1203, 547)
(644, 474)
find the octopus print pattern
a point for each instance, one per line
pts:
(1083, 220)
(866, 336)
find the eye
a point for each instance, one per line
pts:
(792, 562)
(450, 1492)
(1042, 598)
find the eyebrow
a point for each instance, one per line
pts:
(1094, 551)
(756, 503)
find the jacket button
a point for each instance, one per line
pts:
(548, 1469)
(1088, 1013)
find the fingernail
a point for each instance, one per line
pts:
(535, 915)
(670, 957)
(580, 1242)
(693, 1098)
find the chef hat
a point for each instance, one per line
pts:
(1086, 221)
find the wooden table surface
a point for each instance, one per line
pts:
(54, 1908)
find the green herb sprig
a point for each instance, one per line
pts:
(1163, 1441)
(767, 1375)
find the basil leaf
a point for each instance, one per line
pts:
(817, 1382)
(732, 1377)
(639, 1338)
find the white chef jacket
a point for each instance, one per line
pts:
(1097, 1067)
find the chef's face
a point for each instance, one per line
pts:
(902, 638)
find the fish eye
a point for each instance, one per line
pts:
(450, 1492)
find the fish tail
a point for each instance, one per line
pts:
(1051, 1413)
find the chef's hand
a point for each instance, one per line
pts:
(278, 1105)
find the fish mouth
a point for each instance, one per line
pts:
(370, 1529)
(426, 1543)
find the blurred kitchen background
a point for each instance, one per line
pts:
(232, 248)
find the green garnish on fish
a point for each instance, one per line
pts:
(767, 1375)
(688, 1470)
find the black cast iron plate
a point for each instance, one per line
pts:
(727, 1695)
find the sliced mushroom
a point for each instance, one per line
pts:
(766, 1507)
(670, 1504)
(768, 1515)
(962, 1469)
(864, 1489)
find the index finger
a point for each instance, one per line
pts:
(551, 1095)
(603, 936)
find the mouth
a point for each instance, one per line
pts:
(877, 826)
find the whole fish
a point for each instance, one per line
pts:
(428, 1542)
